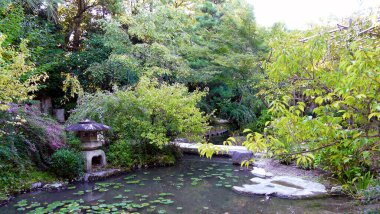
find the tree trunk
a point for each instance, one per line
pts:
(74, 34)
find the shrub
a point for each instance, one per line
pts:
(127, 154)
(73, 142)
(66, 163)
(152, 112)
(120, 154)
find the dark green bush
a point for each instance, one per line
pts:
(66, 163)
(259, 124)
(126, 154)
(120, 154)
(73, 142)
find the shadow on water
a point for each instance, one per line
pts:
(194, 185)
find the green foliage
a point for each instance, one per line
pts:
(67, 164)
(130, 154)
(73, 142)
(150, 112)
(16, 83)
(323, 99)
(25, 149)
(305, 161)
(15, 181)
(330, 107)
(11, 17)
(120, 154)
(259, 124)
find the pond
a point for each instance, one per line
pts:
(193, 185)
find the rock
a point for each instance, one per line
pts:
(258, 172)
(54, 186)
(93, 176)
(5, 200)
(268, 175)
(220, 121)
(239, 156)
(59, 115)
(283, 187)
(181, 140)
(37, 185)
(337, 190)
(261, 173)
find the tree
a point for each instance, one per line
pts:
(80, 13)
(16, 81)
(323, 95)
(148, 113)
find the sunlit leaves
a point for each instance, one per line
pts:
(17, 82)
(305, 161)
(325, 94)
(208, 149)
(152, 112)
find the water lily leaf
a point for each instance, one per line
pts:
(157, 178)
(130, 177)
(133, 182)
(79, 193)
(166, 201)
(22, 203)
(166, 194)
(118, 196)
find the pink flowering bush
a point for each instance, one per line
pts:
(28, 137)
(51, 132)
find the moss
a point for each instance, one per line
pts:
(15, 182)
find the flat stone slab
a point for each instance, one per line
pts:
(98, 175)
(229, 151)
(261, 173)
(283, 187)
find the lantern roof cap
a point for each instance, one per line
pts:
(87, 125)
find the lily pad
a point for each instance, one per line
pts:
(157, 178)
(133, 182)
(79, 193)
(166, 194)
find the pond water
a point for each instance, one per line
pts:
(192, 186)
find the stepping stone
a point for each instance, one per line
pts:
(239, 156)
(283, 187)
(261, 173)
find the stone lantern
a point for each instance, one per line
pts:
(87, 131)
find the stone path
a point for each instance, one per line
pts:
(225, 150)
(237, 153)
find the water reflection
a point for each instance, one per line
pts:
(192, 186)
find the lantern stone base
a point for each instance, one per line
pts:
(94, 159)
